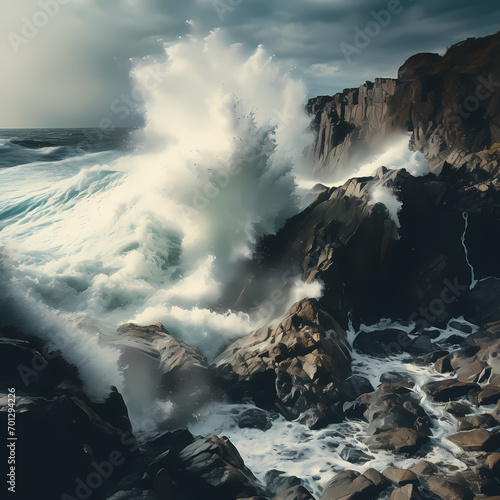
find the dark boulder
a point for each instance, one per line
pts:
(401, 441)
(476, 440)
(383, 343)
(352, 485)
(458, 409)
(452, 488)
(399, 477)
(354, 455)
(199, 466)
(408, 492)
(254, 419)
(294, 493)
(476, 422)
(277, 481)
(156, 365)
(449, 389)
(353, 387)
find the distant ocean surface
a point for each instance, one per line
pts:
(23, 146)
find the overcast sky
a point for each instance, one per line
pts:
(66, 71)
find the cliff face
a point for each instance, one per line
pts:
(348, 123)
(450, 104)
(448, 227)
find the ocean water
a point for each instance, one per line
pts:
(99, 228)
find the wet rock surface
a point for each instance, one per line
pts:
(295, 367)
(153, 360)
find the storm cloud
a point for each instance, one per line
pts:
(65, 62)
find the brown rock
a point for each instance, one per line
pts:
(424, 468)
(408, 492)
(400, 477)
(450, 488)
(476, 422)
(375, 477)
(476, 440)
(493, 461)
(458, 409)
(443, 365)
(351, 485)
(489, 395)
(449, 389)
(295, 364)
(294, 493)
(403, 440)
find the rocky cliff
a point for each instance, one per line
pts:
(450, 104)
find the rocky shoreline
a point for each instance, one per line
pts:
(430, 265)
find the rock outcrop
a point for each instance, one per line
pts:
(450, 104)
(294, 365)
(158, 366)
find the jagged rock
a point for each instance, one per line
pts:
(277, 481)
(62, 429)
(421, 345)
(383, 343)
(408, 492)
(476, 440)
(449, 389)
(424, 468)
(450, 488)
(401, 441)
(432, 333)
(432, 357)
(254, 419)
(66, 434)
(294, 493)
(461, 327)
(389, 408)
(31, 364)
(353, 387)
(376, 478)
(476, 422)
(481, 481)
(347, 125)
(349, 485)
(209, 466)
(443, 365)
(303, 380)
(477, 363)
(496, 412)
(490, 394)
(399, 477)
(454, 340)
(156, 365)
(493, 461)
(319, 417)
(355, 456)
(458, 409)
